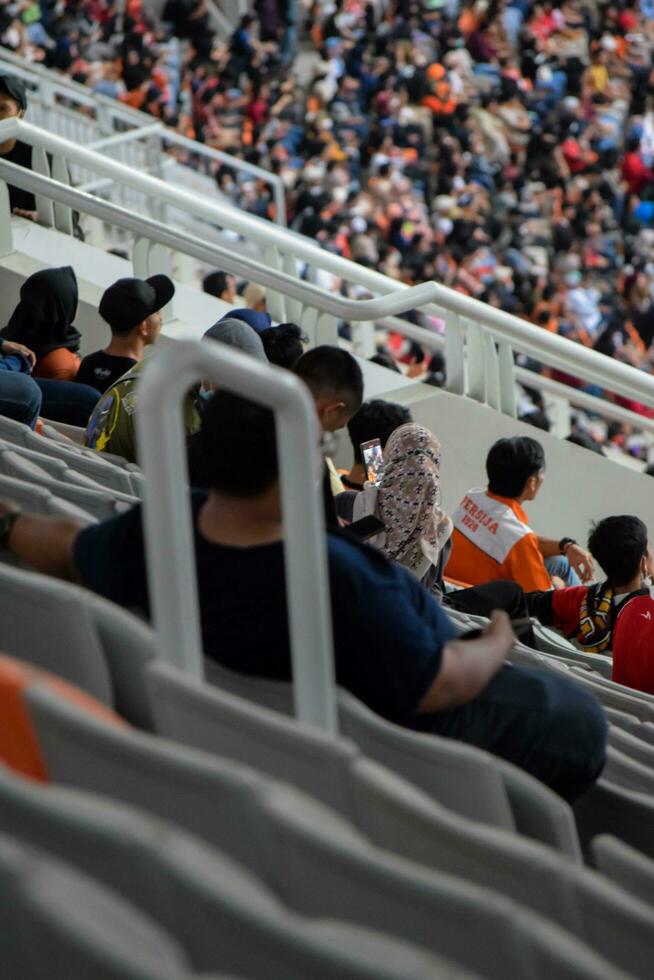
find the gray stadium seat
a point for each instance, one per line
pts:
(623, 770)
(611, 809)
(99, 502)
(84, 460)
(39, 500)
(314, 860)
(80, 636)
(442, 768)
(221, 916)
(45, 623)
(551, 643)
(57, 922)
(56, 468)
(632, 746)
(390, 813)
(626, 866)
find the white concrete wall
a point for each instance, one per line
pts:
(38, 248)
(580, 486)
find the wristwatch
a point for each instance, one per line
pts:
(564, 544)
(6, 524)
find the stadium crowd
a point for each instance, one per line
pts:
(504, 148)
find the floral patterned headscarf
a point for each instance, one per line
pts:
(409, 498)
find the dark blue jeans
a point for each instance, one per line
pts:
(67, 401)
(548, 725)
(24, 398)
(20, 397)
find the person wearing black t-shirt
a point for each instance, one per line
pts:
(132, 309)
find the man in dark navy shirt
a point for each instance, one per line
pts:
(394, 647)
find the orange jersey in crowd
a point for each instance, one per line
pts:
(492, 540)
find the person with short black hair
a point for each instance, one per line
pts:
(135, 306)
(615, 615)
(492, 538)
(409, 666)
(132, 308)
(376, 419)
(222, 285)
(335, 381)
(586, 441)
(284, 344)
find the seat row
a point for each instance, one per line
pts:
(353, 839)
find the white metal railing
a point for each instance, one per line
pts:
(88, 118)
(170, 558)
(479, 339)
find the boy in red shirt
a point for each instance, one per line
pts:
(617, 614)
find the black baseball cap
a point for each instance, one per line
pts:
(129, 301)
(14, 88)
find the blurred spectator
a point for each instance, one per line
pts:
(132, 308)
(255, 297)
(376, 419)
(284, 344)
(222, 285)
(43, 322)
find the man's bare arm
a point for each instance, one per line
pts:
(45, 543)
(468, 665)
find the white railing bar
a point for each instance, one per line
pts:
(164, 383)
(424, 336)
(130, 136)
(617, 377)
(143, 121)
(343, 309)
(236, 163)
(223, 214)
(93, 186)
(598, 406)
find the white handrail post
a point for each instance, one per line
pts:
(492, 371)
(6, 236)
(167, 512)
(507, 379)
(454, 361)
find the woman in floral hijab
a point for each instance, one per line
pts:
(409, 500)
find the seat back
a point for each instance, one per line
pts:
(556, 646)
(222, 916)
(503, 795)
(39, 500)
(98, 502)
(618, 697)
(611, 809)
(19, 748)
(623, 770)
(626, 866)
(316, 862)
(205, 717)
(128, 644)
(56, 921)
(461, 779)
(54, 467)
(84, 460)
(46, 623)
